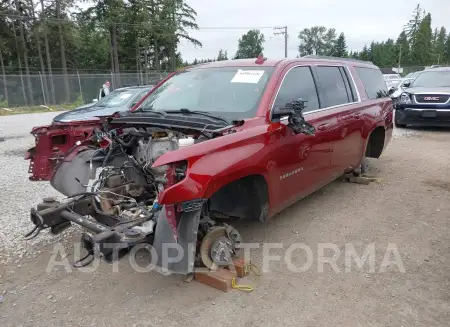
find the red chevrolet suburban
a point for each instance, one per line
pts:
(239, 139)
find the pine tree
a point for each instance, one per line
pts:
(422, 50)
(222, 55)
(412, 27)
(364, 54)
(402, 45)
(340, 49)
(447, 50)
(439, 45)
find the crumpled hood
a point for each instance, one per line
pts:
(86, 113)
(429, 90)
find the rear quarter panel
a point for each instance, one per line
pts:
(375, 113)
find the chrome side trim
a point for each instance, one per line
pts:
(321, 109)
(354, 83)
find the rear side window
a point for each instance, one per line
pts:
(373, 82)
(298, 83)
(333, 90)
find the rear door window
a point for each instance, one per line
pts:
(333, 90)
(373, 82)
(298, 84)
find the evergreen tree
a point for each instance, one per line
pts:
(446, 51)
(222, 55)
(422, 50)
(365, 54)
(412, 27)
(439, 45)
(340, 49)
(402, 51)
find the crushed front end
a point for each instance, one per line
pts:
(114, 193)
(53, 143)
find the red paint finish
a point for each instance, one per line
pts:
(52, 144)
(293, 166)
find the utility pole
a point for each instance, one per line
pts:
(283, 31)
(399, 59)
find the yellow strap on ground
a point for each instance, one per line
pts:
(250, 267)
(240, 287)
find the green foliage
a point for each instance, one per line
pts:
(417, 45)
(250, 45)
(222, 55)
(148, 33)
(422, 50)
(312, 41)
(340, 48)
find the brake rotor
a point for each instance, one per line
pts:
(218, 248)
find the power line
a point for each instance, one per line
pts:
(160, 23)
(283, 31)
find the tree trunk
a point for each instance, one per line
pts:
(25, 55)
(38, 44)
(116, 53)
(19, 61)
(138, 62)
(63, 53)
(157, 60)
(49, 59)
(174, 42)
(5, 85)
(111, 53)
(146, 64)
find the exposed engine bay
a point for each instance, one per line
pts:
(112, 192)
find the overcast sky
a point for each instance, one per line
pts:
(360, 20)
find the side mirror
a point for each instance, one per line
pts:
(391, 90)
(406, 84)
(294, 112)
(94, 100)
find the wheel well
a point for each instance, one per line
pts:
(376, 143)
(244, 198)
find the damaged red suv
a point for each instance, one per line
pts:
(240, 139)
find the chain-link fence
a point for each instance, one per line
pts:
(42, 89)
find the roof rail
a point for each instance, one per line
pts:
(338, 58)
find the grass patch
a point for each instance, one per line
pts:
(35, 109)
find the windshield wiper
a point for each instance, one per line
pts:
(201, 113)
(159, 113)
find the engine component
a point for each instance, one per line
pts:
(147, 152)
(188, 141)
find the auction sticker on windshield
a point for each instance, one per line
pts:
(247, 76)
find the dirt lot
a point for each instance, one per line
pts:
(410, 207)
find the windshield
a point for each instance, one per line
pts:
(432, 79)
(229, 92)
(117, 98)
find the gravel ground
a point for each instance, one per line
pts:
(409, 207)
(17, 195)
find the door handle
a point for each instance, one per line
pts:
(357, 116)
(323, 127)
